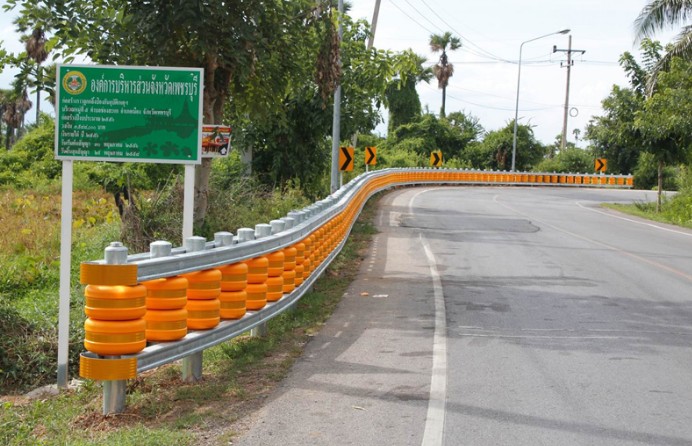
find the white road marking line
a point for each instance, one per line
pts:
(325, 345)
(435, 419)
(338, 334)
(633, 221)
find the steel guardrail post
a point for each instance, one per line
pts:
(114, 392)
(191, 368)
(261, 230)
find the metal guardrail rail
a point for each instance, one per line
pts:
(341, 208)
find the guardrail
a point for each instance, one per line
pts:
(146, 310)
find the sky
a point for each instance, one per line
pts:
(486, 70)
(485, 67)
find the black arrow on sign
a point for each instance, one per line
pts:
(600, 165)
(371, 155)
(347, 155)
(437, 161)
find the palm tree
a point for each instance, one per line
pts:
(36, 49)
(658, 14)
(443, 70)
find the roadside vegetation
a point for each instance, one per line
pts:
(163, 410)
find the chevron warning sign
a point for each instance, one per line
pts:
(346, 159)
(601, 165)
(371, 156)
(436, 158)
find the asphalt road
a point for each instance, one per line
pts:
(501, 316)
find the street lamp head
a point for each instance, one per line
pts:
(564, 31)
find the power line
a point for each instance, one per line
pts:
(422, 15)
(412, 19)
(483, 52)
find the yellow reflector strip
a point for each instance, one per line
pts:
(204, 285)
(109, 338)
(182, 292)
(174, 325)
(202, 314)
(114, 303)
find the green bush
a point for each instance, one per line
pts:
(31, 161)
(570, 160)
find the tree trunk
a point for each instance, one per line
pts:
(660, 186)
(203, 171)
(444, 96)
(216, 82)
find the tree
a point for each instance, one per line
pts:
(469, 125)
(665, 121)
(443, 70)
(659, 14)
(234, 41)
(431, 133)
(35, 46)
(570, 160)
(403, 101)
(495, 151)
(14, 104)
(614, 135)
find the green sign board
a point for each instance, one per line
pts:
(119, 113)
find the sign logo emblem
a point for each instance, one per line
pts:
(74, 82)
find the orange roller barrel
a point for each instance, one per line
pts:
(275, 288)
(290, 255)
(115, 302)
(234, 277)
(300, 260)
(276, 263)
(203, 314)
(233, 304)
(256, 296)
(257, 270)
(166, 294)
(308, 264)
(166, 325)
(300, 274)
(203, 285)
(112, 338)
(289, 281)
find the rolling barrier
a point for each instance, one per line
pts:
(150, 309)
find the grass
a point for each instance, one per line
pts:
(163, 410)
(29, 279)
(676, 210)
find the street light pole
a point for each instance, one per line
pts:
(516, 107)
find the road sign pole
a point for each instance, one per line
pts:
(188, 201)
(65, 262)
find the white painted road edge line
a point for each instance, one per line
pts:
(435, 419)
(651, 225)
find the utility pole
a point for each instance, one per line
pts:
(570, 62)
(371, 41)
(336, 122)
(373, 27)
